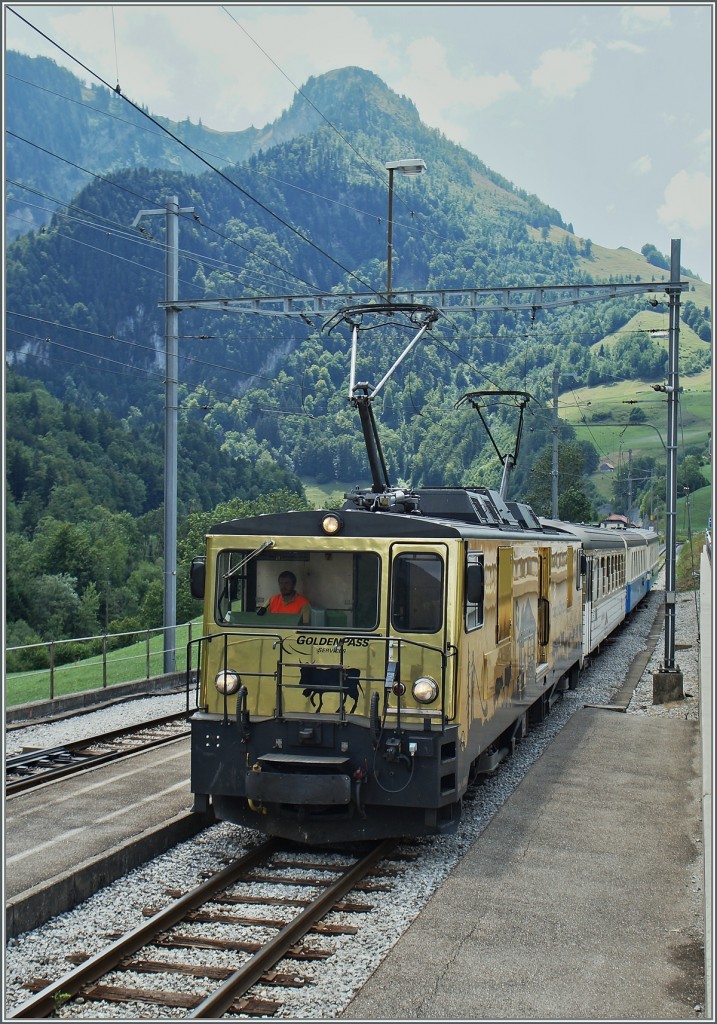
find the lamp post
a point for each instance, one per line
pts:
(411, 167)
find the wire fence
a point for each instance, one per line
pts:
(62, 667)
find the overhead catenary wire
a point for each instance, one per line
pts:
(133, 368)
(143, 239)
(494, 340)
(190, 149)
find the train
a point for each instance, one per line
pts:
(439, 625)
(418, 634)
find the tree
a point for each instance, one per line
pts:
(574, 506)
(690, 475)
(653, 255)
(56, 608)
(573, 485)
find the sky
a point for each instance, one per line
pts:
(604, 111)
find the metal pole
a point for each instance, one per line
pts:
(170, 434)
(667, 684)
(554, 473)
(629, 484)
(389, 254)
(671, 484)
(172, 308)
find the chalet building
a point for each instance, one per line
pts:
(616, 521)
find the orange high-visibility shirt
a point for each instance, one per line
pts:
(277, 605)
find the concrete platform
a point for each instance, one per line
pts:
(579, 900)
(67, 839)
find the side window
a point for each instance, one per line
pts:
(504, 626)
(475, 591)
(571, 576)
(417, 602)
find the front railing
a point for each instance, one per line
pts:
(64, 667)
(287, 673)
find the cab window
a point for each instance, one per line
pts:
(417, 601)
(341, 588)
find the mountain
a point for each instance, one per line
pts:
(302, 208)
(61, 132)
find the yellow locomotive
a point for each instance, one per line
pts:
(439, 625)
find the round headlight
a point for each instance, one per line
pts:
(227, 682)
(331, 523)
(425, 689)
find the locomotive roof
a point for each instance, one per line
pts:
(445, 512)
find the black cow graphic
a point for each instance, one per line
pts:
(318, 681)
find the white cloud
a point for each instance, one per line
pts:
(623, 44)
(643, 165)
(445, 95)
(688, 202)
(197, 61)
(646, 18)
(259, 56)
(561, 73)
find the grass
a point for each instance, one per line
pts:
(611, 264)
(600, 414)
(330, 495)
(143, 660)
(694, 519)
(687, 564)
(140, 660)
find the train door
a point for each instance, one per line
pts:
(543, 607)
(418, 615)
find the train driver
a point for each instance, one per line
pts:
(287, 601)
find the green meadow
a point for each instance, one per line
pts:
(143, 659)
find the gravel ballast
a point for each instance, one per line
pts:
(118, 908)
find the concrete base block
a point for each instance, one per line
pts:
(667, 686)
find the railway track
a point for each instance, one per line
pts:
(32, 767)
(216, 912)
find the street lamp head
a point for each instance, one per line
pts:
(414, 166)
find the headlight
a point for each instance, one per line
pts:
(227, 682)
(425, 689)
(332, 523)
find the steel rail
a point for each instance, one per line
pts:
(55, 994)
(51, 774)
(219, 1001)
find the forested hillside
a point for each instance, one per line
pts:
(296, 208)
(84, 497)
